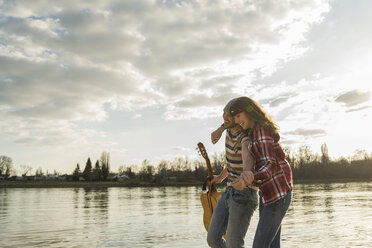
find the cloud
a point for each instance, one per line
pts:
(354, 97)
(358, 109)
(278, 101)
(64, 62)
(289, 142)
(44, 133)
(308, 132)
(181, 149)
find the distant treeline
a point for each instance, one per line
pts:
(99, 172)
(305, 165)
(313, 166)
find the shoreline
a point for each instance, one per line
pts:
(135, 183)
(99, 184)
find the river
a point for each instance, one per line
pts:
(321, 215)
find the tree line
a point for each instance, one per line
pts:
(304, 163)
(99, 172)
(308, 165)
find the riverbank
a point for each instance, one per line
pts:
(136, 183)
(100, 184)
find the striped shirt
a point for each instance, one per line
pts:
(233, 147)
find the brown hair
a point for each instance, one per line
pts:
(254, 112)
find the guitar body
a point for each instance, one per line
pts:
(209, 199)
(209, 203)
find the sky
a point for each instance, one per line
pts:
(147, 79)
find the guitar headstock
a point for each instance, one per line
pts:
(204, 154)
(202, 150)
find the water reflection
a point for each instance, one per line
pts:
(3, 206)
(321, 215)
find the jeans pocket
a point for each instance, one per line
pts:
(241, 196)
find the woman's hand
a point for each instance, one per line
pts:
(238, 184)
(246, 179)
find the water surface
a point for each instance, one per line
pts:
(321, 215)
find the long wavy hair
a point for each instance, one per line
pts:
(254, 112)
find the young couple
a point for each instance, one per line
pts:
(255, 162)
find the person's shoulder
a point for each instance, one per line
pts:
(261, 132)
(244, 137)
(228, 133)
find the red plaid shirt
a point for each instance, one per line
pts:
(273, 174)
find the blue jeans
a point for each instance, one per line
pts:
(269, 225)
(231, 218)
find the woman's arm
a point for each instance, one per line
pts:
(247, 156)
(265, 154)
(246, 177)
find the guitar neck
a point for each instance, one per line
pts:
(205, 156)
(210, 171)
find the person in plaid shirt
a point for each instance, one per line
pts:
(272, 172)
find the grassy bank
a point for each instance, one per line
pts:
(137, 183)
(75, 184)
(333, 180)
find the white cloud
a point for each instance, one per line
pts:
(67, 62)
(105, 43)
(308, 132)
(181, 149)
(354, 97)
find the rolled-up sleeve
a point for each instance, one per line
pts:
(264, 150)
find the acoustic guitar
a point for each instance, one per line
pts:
(210, 198)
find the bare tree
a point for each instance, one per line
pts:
(25, 169)
(105, 164)
(360, 155)
(39, 172)
(324, 150)
(305, 155)
(6, 165)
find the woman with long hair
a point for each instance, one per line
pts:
(272, 172)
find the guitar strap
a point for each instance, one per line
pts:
(210, 201)
(205, 184)
(209, 197)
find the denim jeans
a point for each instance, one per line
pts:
(269, 225)
(231, 217)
